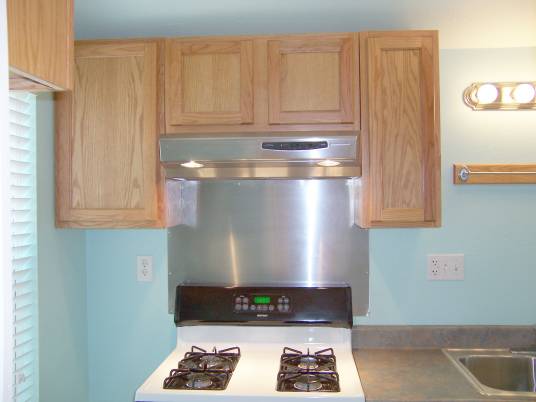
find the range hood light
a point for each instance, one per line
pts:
(328, 163)
(192, 164)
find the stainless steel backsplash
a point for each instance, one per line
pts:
(270, 232)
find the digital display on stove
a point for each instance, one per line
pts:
(262, 299)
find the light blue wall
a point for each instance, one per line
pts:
(494, 226)
(63, 368)
(130, 332)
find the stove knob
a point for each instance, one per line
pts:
(286, 307)
(252, 308)
(238, 300)
(271, 308)
(280, 300)
(245, 300)
(238, 307)
(280, 307)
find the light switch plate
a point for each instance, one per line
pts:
(446, 267)
(145, 268)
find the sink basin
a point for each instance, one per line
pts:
(497, 372)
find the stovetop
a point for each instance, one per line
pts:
(255, 376)
(298, 371)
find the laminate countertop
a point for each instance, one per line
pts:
(414, 375)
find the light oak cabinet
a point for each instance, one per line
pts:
(262, 83)
(311, 79)
(209, 82)
(108, 172)
(40, 34)
(400, 186)
(384, 84)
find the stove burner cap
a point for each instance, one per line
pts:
(307, 383)
(198, 381)
(308, 363)
(213, 361)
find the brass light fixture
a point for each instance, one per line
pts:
(501, 95)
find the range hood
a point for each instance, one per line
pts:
(258, 156)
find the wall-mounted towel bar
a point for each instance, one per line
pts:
(495, 174)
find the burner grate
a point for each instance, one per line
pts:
(202, 370)
(306, 372)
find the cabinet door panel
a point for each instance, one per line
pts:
(402, 129)
(209, 83)
(311, 80)
(107, 155)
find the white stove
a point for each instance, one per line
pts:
(252, 366)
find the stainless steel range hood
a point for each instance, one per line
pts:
(257, 156)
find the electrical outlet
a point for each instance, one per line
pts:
(145, 268)
(446, 267)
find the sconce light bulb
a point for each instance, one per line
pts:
(524, 93)
(487, 93)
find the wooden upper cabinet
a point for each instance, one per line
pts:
(313, 79)
(209, 82)
(40, 34)
(400, 136)
(107, 138)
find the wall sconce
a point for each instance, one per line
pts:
(501, 95)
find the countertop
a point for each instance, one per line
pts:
(414, 375)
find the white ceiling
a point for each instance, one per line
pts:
(462, 23)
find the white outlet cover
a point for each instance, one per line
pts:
(446, 267)
(145, 268)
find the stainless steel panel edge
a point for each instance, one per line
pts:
(270, 232)
(262, 172)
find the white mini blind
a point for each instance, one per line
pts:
(23, 243)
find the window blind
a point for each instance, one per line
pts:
(22, 163)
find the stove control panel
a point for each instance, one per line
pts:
(261, 303)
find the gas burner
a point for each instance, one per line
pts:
(198, 358)
(202, 370)
(199, 381)
(307, 382)
(300, 372)
(295, 360)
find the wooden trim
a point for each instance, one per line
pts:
(41, 41)
(18, 83)
(496, 173)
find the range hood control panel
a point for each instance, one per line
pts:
(294, 145)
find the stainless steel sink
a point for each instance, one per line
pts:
(497, 372)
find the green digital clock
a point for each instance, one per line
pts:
(262, 299)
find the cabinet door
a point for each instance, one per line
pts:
(40, 36)
(312, 79)
(400, 137)
(209, 82)
(107, 135)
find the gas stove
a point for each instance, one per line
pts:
(258, 344)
